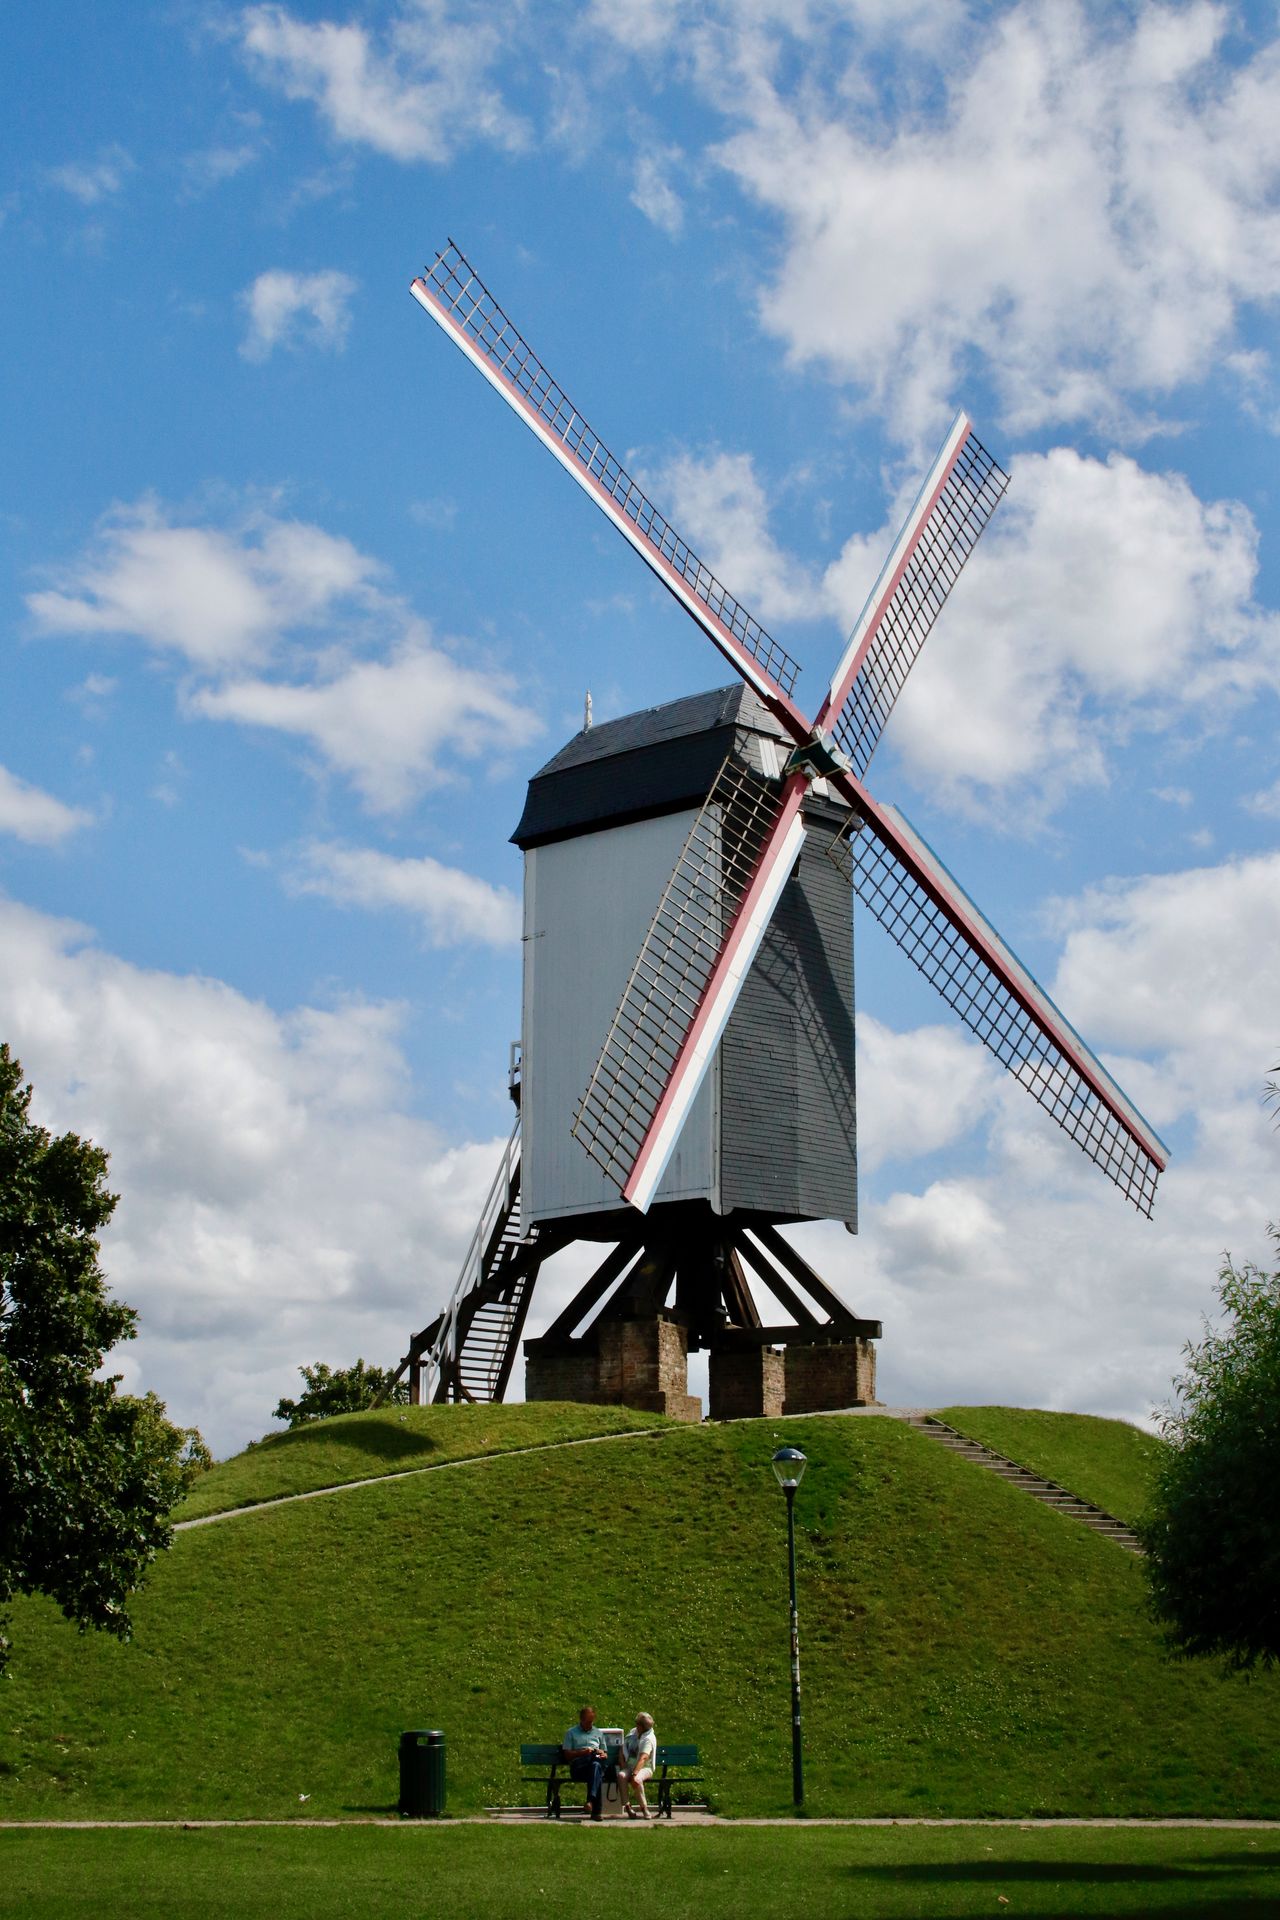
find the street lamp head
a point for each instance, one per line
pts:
(789, 1465)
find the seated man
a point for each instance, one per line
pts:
(585, 1752)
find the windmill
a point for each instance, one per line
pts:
(764, 816)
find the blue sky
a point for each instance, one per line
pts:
(293, 608)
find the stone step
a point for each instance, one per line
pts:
(1047, 1492)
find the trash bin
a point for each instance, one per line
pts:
(421, 1775)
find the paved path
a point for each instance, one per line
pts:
(642, 1826)
(408, 1473)
(507, 1453)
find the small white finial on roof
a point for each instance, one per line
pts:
(586, 714)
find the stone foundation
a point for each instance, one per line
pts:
(624, 1363)
(560, 1373)
(824, 1379)
(747, 1383)
(645, 1364)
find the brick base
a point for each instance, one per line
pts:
(560, 1373)
(823, 1379)
(625, 1363)
(746, 1383)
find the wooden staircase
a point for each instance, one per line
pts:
(1047, 1491)
(467, 1352)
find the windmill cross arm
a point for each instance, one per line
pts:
(453, 295)
(901, 880)
(959, 494)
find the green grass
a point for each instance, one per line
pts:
(356, 1446)
(1107, 1462)
(965, 1650)
(481, 1873)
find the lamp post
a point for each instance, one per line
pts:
(789, 1465)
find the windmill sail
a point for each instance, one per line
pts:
(737, 858)
(903, 883)
(711, 920)
(458, 300)
(960, 493)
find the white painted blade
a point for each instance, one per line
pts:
(897, 875)
(960, 493)
(462, 305)
(706, 933)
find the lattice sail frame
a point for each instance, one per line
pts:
(736, 859)
(917, 908)
(960, 493)
(453, 293)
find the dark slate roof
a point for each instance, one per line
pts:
(657, 761)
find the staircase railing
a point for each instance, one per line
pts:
(497, 1204)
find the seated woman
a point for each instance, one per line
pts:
(636, 1760)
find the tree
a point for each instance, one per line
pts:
(1213, 1537)
(88, 1475)
(331, 1390)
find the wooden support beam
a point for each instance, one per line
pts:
(517, 1328)
(597, 1286)
(743, 1311)
(784, 1294)
(647, 1285)
(800, 1270)
(823, 1334)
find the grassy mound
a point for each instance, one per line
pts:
(360, 1446)
(1107, 1462)
(966, 1651)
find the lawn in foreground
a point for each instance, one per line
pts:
(705, 1873)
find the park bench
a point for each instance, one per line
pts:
(545, 1766)
(553, 1772)
(673, 1765)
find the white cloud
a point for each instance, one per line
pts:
(1265, 802)
(421, 95)
(1103, 600)
(1186, 965)
(1030, 1281)
(454, 908)
(216, 597)
(645, 26)
(279, 1202)
(34, 816)
(718, 504)
(1086, 212)
(723, 30)
(96, 180)
(278, 594)
(438, 514)
(386, 725)
(654, 194)
(285, 309)
(918, 1091)
(208, 168)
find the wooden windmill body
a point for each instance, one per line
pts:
(771, 1137)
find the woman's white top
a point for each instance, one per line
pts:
(641, 1749)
